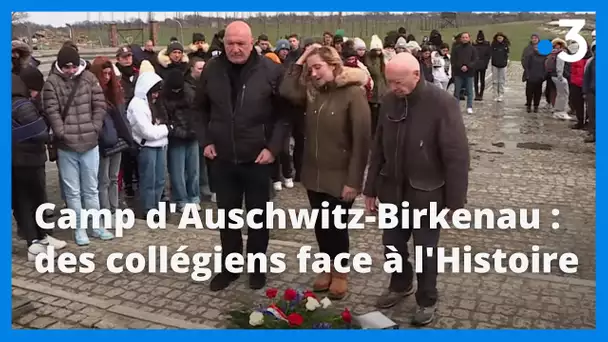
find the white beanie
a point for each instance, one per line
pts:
(359, 44)
(401, 43)
(376, 43)
(412, 45)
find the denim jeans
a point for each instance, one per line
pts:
(79, 172)
(109, 167)
(459, 81)
(183, 160)
(499, 78)
(151, 165)
(203, 174)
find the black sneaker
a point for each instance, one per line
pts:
(535, 109)
(577, 126)
(257, 281)
(424, 316)
(528, 109)
(222, 281)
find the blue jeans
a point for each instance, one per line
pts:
(78, 175)
(151, 164)
(459, 81)
(184, 172)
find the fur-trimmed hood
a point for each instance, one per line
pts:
(24, 51)
(164, 60)
(347, 77)
(194, 48)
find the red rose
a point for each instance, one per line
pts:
(295, 319)
(271, 293)
(309, 293)
(290, 294)
(346, 316)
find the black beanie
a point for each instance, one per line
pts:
(198, 37)
(175, 46)
(66, 56)
(174, 80)
(480, 36)
(33, 78)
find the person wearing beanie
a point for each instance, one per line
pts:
(484, 53)
(282, 49)
(464, 60)
(360, 47)
(199, 48)
(351, 59)
(435, 40)
(374, 60)
(172, 57)
(150, 130)
(76, 126)
(413, 47)
(21, 56)
(183, 151)
(400, 45)
(217, 45)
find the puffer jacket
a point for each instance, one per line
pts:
(534, 65)
(32, 152)
(180, 114)
(79, 130)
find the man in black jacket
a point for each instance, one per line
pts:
(464, 59)
(242, 130)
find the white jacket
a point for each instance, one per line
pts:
(140, 115)
(439, 67)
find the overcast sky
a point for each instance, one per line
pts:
(62, 18)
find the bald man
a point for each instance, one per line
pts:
(420, 155)
(242, 128)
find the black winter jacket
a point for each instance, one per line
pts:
(464, 55)
(484, 53)
(500, 54)
(255, 119)
(180, 113)
(30, 153)
(128, 78)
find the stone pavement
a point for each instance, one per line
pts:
(519, 160)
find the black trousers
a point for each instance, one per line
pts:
(550, 90)
(480, 82)
(232, 182)
(299, 137)
(577, 103)
(28, 193)
(590, 98)
(375, 110)
(534, 91)
(130, 174)
(282, 163)
(426, 293)
(330, 239)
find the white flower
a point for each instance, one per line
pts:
(256, 318)
(325, 302)
(312, 304)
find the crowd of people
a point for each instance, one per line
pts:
(219, 118)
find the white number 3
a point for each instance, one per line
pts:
(575, 35)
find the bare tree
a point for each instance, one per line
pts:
(18, 17)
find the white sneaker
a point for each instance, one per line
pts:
(470, 110)
(288, 182)
(561, 116)
(35, 249)
(213, 198)
(277, 186)
(51, 241)
(499, 99)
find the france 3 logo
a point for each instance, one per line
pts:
(576, 26)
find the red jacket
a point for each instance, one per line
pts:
(577, 70)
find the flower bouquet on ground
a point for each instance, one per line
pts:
(293, 310)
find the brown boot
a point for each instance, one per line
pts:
(339, 285)
(322, 282)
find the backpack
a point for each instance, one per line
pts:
(551, 63)
(30, 130)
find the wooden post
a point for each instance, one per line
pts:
(113, 35)
(153, 29)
